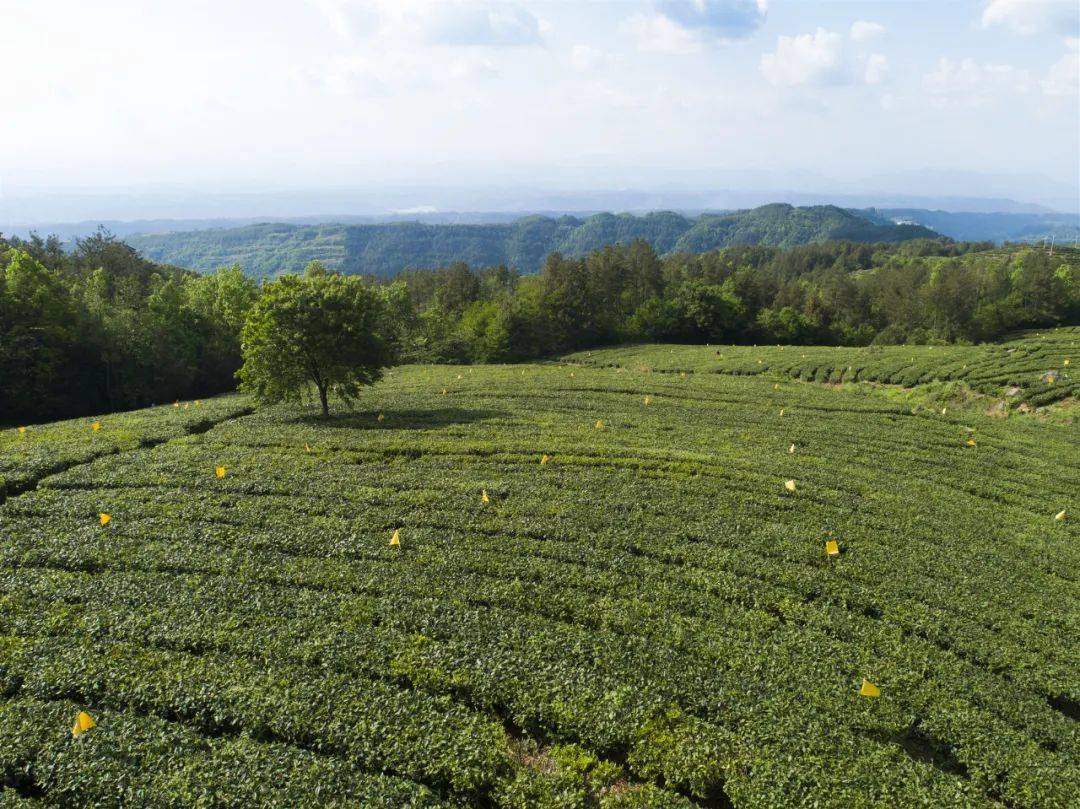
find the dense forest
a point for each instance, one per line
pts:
(385, 249)
(101, 328)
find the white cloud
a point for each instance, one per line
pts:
(1063, 79)
(587, 59)
(686, 26)
(875, 68)
(1034, 16)
(805, 59)
(862, 31)
(969, 83)
(435, 22)
(655, 33)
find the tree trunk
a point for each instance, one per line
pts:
(322, 400)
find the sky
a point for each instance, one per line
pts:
(973, 96)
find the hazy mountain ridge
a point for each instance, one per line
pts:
(386, 249)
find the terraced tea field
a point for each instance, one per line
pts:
(610, 588)
(1033, 369)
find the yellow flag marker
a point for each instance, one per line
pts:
(648, 399)
(791, 450)
(22, 431)
(382, 417)
(869, 689)
(83, 723)
(95, 426)
(104, 518)
(599, 424)
(790, 485)
(832, 548)
(1060, 515)
(219, 471)
(396, 538)
(544, 459)
(970, 442)
(484, 496)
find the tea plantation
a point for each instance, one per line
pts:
(610, 589)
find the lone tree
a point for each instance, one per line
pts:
(317, 329)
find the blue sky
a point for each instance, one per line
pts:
(129, 94)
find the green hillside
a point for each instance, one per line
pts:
(386, 249)
(612, 589)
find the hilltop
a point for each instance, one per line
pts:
(388, 248)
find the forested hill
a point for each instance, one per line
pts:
(386, 249)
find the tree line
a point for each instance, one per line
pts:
(99, 328)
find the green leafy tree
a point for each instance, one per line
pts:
(320, 329)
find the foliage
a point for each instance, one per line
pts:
(320, 329)
(648, 619)
(383, 250)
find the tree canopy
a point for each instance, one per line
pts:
(317, 329)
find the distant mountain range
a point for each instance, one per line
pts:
(384, 249)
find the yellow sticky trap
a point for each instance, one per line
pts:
(22, 431)
(395, 540)
(83, 723)
(219, 471)
(648, 399)
(791, 450)
(776, 386)
(599, 424)
(790, 485)
(832, 547)
(781, 411)
(970, 442)
(869, 690)
(382, 417)
(104, 518)
(484, 496)
(1066, 361)
(544, 459)
(95, 426)
(1060, 515)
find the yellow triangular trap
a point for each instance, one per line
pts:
(790, 485)
(832, 548)
(83, 723)
(104, 518)
(970, 442)
(219, 471)
(869, 689)
(599, 424)
(382, 417)
(791, 450)
(396, 538)
(95, 426)
(544, 459)
(484, 497)
(1060, 515)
